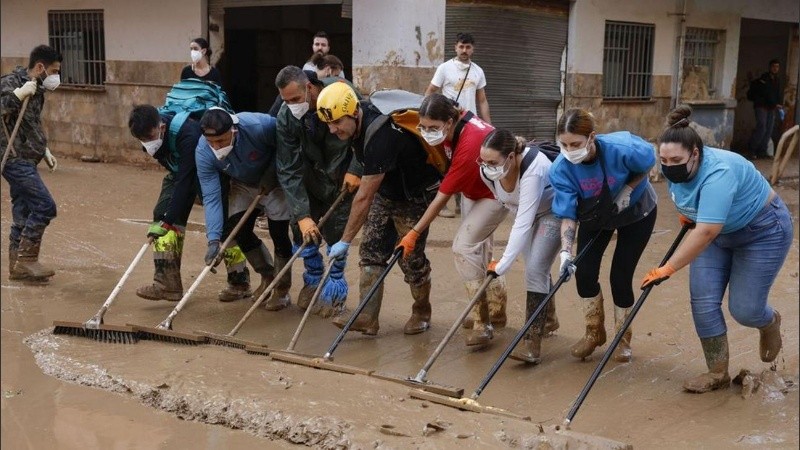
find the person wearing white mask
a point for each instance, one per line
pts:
(601, 182)
(313, 165)
(235, 160)
(33, 206)
(201, 68)
(517, 174)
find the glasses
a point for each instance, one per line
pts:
(484, 165)
(429, 129)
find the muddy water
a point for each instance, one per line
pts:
(97, 233)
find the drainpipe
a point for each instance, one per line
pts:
(681, 45)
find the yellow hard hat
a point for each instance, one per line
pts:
(336, 101)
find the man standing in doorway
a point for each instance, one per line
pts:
(462, 80)
(320, 46)
(766, 94)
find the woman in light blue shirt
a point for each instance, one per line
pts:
(741, 234)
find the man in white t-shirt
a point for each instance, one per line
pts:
(450, 78)
(321, 45)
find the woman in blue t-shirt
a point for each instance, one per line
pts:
(600, 180)
(742, 233)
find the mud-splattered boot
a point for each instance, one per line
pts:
(497, 296)
(367, 321)
(622, 353)
(13, 250)
(167, 283)
(312, 260)
(279, 298)
(529, 350)
(716, 352)
(482, 331)
(551, 321)
(27, 264)
(769, 341)
(420, 319)
(238, 276)
(595, 327)
(262, 263)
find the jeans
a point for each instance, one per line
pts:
(765, 122)
(32, 206)
(747, 261)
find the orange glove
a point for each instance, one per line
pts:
(656, 276)
(685, 222)
(408, 242)
(491, 268)
(351, 182)
(309, 230)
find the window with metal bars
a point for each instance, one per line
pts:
(79, 36)
(628, 61)
(700, 54)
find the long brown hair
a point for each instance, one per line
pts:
(576, 121)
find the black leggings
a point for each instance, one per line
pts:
(631, 241)
(247, 239)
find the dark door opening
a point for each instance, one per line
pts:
(260, 41)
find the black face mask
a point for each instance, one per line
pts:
(679, 173)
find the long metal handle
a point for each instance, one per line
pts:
(627, 323)
(166, 324)
(286, 267)
(10, 146)
(423, 373)
(95, 321)
(522, 331)
(311, 304)
(398, 253)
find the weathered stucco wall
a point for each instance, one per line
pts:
(397, 44)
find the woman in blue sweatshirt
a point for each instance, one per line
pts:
(742, 233)
(600, 180)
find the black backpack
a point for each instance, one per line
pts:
(550, 149)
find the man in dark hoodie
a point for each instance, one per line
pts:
(32, 205)
(766, 94)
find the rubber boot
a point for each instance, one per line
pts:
(167, 283)
(262, 263)
(595, 327)
(312, 260)
(367, 321)
(27, 264)
(622, 353)
(238, 276)
(716, 352)
(420, 319)
(497, 296)
(482, 331)
(280, 295)
(13, 251)
(529, 350)
(769, 341)
(551, 321)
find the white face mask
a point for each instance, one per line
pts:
(575, 156)
(299, 109)
(461, 65)
(151, 147)
(51, 82)
(196, 55)
(223, 152)
(495, 173)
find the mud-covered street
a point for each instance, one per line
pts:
(68, 392)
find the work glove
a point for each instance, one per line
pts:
(212, 252)
(160, 229)
(656, 276)
(26, 90)
(351, 182)
(567, 267)
(408, 243)
(339, 250)
(50, 160)
(491, 269)
(309, 230)
(686, 222)
(623, 199)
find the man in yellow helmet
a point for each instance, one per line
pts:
(396, 187)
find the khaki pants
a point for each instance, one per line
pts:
(473, 244)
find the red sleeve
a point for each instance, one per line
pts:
(463, 175)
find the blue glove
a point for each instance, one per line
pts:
(339, 250)
(212, 252)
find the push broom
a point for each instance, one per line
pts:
(625, 325)
(94, 328)
(229, 340)
(164, 331)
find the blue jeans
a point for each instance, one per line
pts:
(32, 206)
(747, 261)
(765, 123)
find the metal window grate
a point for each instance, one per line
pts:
(79, 36)
(628, 60)
(700, 50)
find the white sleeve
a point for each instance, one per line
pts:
(438, 77)
(481, 81)
(531, 186)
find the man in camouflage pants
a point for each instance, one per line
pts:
(32, 205)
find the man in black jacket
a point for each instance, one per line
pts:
(766, 94)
